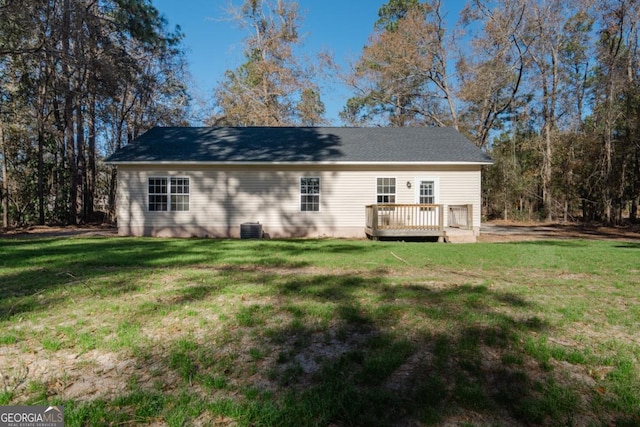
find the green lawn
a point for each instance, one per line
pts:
(125, 331)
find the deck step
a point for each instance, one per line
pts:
(453, 235)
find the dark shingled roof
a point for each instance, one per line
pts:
(300, 145)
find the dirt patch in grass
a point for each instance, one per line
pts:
(66, 374)
(40, 231)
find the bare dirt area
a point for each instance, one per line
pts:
(509, 231)
(493, 231)
(40, 231)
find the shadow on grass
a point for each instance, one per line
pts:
(35, 272)
(628, 245)
(566, 243)
(570, 243)
(302, 349)
(359, 351)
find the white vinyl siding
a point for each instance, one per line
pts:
(222, 197)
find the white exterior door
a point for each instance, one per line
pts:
(427, 194)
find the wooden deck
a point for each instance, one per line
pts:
(419, 221)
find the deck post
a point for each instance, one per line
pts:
(374, 217)
(441, 217)
(469, 217)
(445, 209)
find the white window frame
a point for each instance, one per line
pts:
(182, 195)
(169, 194)
(304, 195)
(158, 194)
(436, 188)
(395, 193)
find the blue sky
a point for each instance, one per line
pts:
(214, 44)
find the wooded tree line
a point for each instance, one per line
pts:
(78, 79)
(548, 87)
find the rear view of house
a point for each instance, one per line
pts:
(299, 182)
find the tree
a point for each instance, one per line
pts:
(271, 88)
(4, 196)
(615, 128)
(491, 77)
(17, 21)
(391, 13)
(545, 38)
(531, 62)
(575, 68)
(511, 184)
(65, 64)
(401, 79)
(311, 108)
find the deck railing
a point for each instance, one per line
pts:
(406, 217)
(460, 216)
(417, 217)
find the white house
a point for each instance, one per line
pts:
(299, 182)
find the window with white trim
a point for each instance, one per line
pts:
(386, 192)
(168, 194)
(427, 194)
(158, 196)
(310, 194)
(179, 194)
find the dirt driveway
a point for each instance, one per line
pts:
(500, 231)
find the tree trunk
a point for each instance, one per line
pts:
(91, 163)
(5, 180)
(607, 154)
(635, 186)
(41, 140)
(72, 216)
(82, 163)
(40, 175)
(546, 173)
(114, 174)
